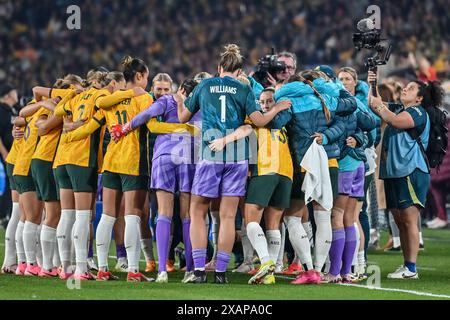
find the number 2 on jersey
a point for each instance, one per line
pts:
(223, 108)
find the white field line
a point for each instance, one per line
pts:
(418, 293)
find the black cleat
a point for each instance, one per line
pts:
(220, 278)
(197, 277)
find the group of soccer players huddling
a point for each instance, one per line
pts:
(202, 158)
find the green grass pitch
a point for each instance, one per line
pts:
(434, 283)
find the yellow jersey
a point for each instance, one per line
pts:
(86, 152)
(30, 140)
(274, 156)
(48, 143)
(14, 152)
(130, 154)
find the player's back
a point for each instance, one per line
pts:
(223, 103)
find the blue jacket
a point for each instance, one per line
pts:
(362, 94)
(306, 115)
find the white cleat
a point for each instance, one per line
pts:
(92, 266)
(438, 224)
(245, 267)
(162, 277)
(122, 265)
(403, 272)
(279, 268)
(187, 275)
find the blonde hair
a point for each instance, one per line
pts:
(162, 77)
(243, 79)
(231, 59)
(350, 71)
(68, 81)
(113, 75)
(99, 76)
(202, 76)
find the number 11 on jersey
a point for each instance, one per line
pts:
(223, 108)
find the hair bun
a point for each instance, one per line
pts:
(126, 61)
(232, 49)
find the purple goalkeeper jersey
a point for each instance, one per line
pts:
(178, 144)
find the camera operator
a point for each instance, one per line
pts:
(290, 61)
(403, 165)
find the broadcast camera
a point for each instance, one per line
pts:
(370, 38)
(268, 64)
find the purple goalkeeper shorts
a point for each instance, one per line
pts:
(171, 177)
(351, 183)
(217, 179)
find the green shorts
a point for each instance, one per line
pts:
(272, 190)
(42, 174)
(9, 173)
(24, 183)
(76, 178)
(297, 192)
(124, 182)
(402, 193)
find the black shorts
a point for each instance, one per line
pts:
(297, 192)
(42, 174)
(272, 190)
(124, 182)
(76, 178)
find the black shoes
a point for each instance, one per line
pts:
(220, 278)
(197, 277)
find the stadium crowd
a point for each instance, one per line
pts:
(37, 48)
(177, 36)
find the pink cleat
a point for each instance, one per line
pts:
(32, 270)
(293, 269)
(20, 271)
(307, 277)
(48, 274)
(65, 275)
(83, 276)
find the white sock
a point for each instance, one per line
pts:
(299, 240)
(396, 242)
(81, 238)
(39, 254)
(324, 235)
(48, 240)
(358, 241)
(103, 240)
(29, 241)
(247, 247)
(327, 265)
(56, 260)
(309, 231)
(420, 238)
(361, 259)
(280, 256)
(258, 240)
(147, 248)
(20, 250)
(215, 217)
(132, 241)
(274, 243)
(64, 236)
(10, 236)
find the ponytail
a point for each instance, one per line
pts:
(308, 77)
(132, 66)
(432, 93)
(231, 59)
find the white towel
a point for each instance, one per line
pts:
(371, 155)
(317, 183)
